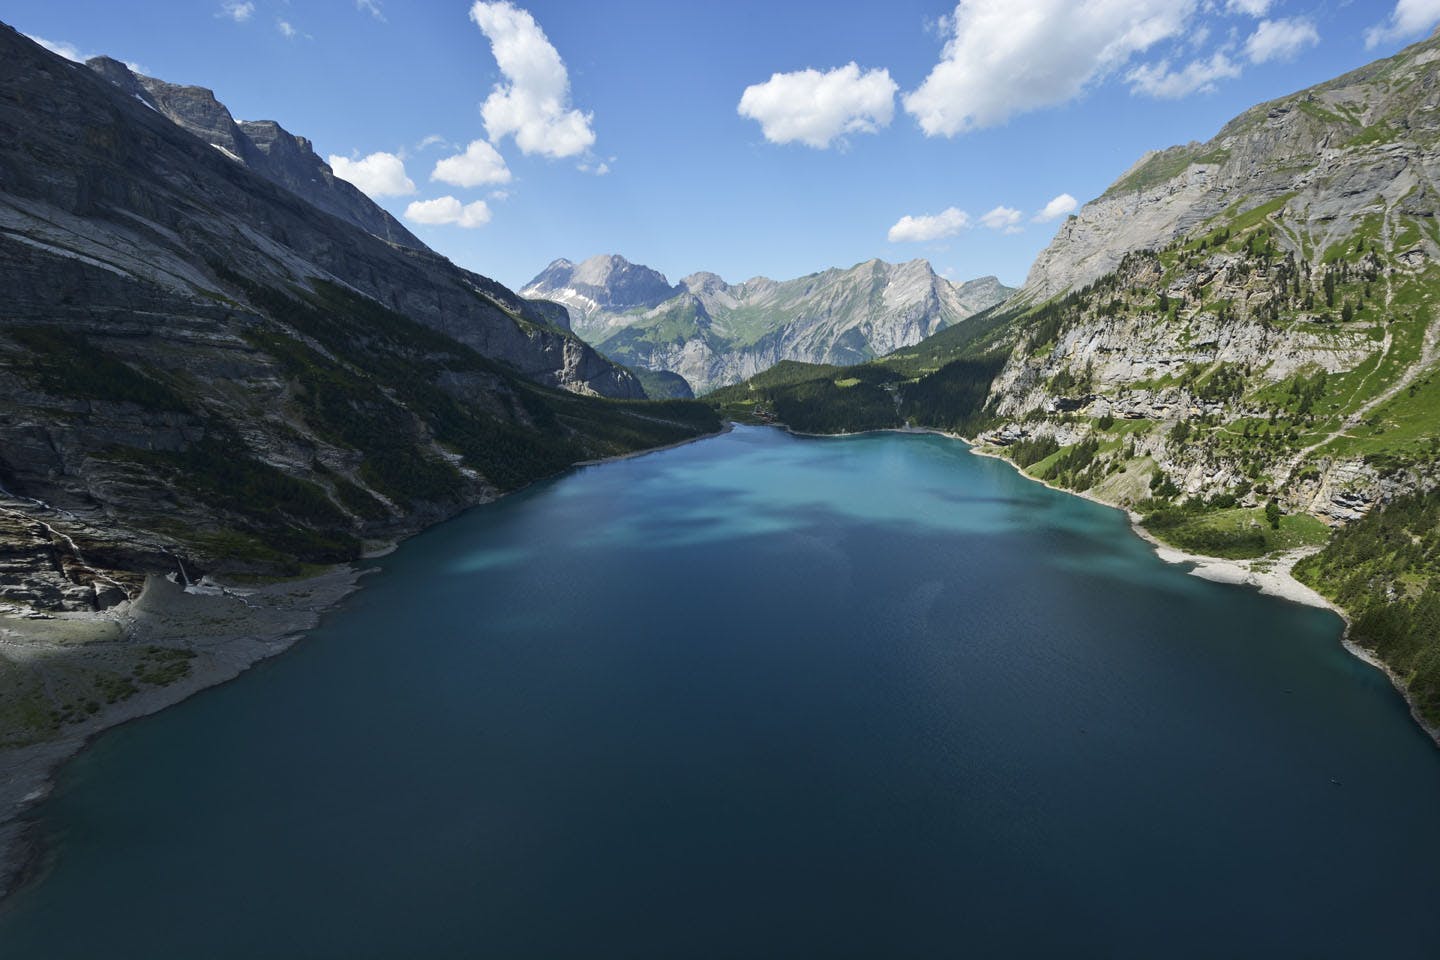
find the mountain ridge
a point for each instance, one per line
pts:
(1301, 147)
(714, 333)
(264, 146)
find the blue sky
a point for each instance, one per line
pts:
(617, 127)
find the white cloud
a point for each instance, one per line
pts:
(1280, 39)
(1006, 57)
(1061, 206)
(534, 102)
(448, 210)
(239, 12)
(1198, 76)
(815, 108)
(378, 175)
(71, 52)
(933, 227)
(479, 164)
(1250, 8)
(287, 30)
(433, 140)
(59, 47)
(1409, 18)
(371, 7)
(1003, 218)
(598, 169)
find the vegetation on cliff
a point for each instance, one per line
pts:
(1385, 570)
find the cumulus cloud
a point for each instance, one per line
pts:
(533, 104)
(478, 165)
(1198, 76)
(1280, 39)
(287, 29)
(448, 210)
(239, 12)
(1003, 218)
(371, 7)
(1251, 8)
(1061, 206)
(59, 47)
(816, 108)
(931, 227)
(1006, 57)
(378, 175)
(1410, 18)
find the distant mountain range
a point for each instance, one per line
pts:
(714, 333)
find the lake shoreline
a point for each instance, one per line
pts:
(228, 631)
(1276, 580)
(256, 625)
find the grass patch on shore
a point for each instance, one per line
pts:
(1238, 533)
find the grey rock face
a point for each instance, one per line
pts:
(601, 284)
(93, 168)
(263, 146)
(713, 333)
(1325, 156)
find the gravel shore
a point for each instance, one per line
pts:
(226, 630)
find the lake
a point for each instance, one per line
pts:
(763, 696)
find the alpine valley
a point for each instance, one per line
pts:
(1239, 342)
(229, 380)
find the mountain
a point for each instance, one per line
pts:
(1330, 158)
(214, 362)
(262, 146)
(713, 333)
(599, 286)
(1239, 342)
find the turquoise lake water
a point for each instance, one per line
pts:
(763, 696)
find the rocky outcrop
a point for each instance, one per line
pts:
(713, 333)
(1320, 161)
(262, 146)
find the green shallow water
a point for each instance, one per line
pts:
(765, 697)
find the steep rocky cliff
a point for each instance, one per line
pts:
(202, 370)
(713, 333)
(1332, 156)
(1273, 290)
(92, 170)
(261, 145)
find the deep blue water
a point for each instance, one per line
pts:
(766, 697)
